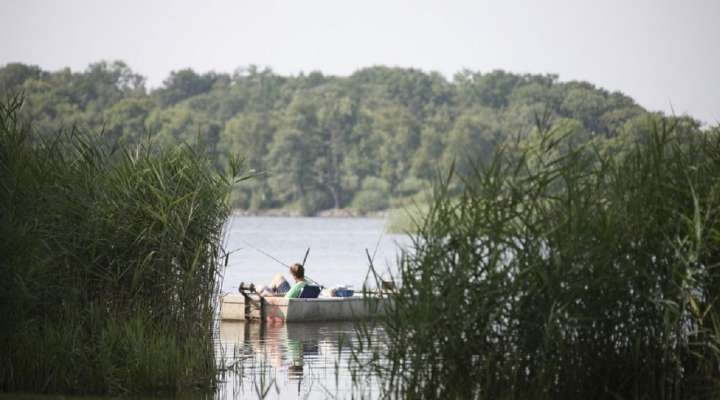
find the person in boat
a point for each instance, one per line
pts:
(278, 287)
(298, 273)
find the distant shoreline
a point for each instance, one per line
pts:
(399, 220)
(330, 213)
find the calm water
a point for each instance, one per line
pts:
(297, 360)
(337, 249)
(294, 361)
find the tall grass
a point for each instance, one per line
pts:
(562, 273)
(110, 262)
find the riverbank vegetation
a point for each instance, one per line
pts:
(557, 271)
(369, 141)
(111, 261)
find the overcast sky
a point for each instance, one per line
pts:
(664, 54)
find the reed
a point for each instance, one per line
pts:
(558, 272)
(111, 261)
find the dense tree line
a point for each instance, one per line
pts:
(367, 141)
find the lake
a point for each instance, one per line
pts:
(337, 249)
(294, 361)
(301, 360)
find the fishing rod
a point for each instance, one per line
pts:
(371, 261)
(284, 264)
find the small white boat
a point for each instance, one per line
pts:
(255, 307)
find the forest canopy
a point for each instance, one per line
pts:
(368, 141)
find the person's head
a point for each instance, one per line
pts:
(297, 271)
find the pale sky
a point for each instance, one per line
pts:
(664, 54)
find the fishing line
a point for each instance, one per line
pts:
(377, 245)
(371, 259)
(284, 264)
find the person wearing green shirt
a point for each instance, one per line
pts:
(298, 272)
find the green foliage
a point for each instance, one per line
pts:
(376, 184)
(183, 84)
(370, 200)
(405, 219)
(111, 262)
(182, 124)
(472, 139)
(313, 138)
(566, 274)
(125, 120)
(14, 75)
(411, 186)
(374, 195)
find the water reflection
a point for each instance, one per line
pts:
(290, 361)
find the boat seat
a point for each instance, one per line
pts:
(310, 292)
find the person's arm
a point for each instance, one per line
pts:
(295, 291)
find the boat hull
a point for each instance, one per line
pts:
(233, 307)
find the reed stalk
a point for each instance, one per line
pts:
(557, 272)
(111, 261)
